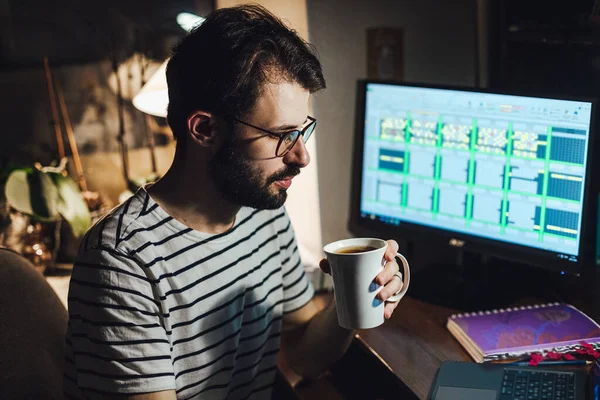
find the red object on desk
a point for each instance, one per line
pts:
(535, 359)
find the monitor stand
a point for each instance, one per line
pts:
(476, 283)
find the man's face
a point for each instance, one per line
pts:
(245, 168)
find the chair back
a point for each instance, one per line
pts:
(33, 322)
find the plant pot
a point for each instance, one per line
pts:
(36, 240)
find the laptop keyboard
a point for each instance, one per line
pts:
(537, 385)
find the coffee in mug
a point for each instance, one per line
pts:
(355, 249)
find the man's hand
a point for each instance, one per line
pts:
(391, 283)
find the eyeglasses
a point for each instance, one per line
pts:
(287, 140)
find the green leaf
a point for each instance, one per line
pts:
(71, 205)
(43, 196)
(32, 192)
(17, 192)
(6, 171)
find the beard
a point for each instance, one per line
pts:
(242, 183)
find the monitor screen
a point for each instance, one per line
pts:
(511, 170)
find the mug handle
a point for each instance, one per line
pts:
(406, 281)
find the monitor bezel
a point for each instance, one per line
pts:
(489, 247)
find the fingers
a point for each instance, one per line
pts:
(392, 287)
(391, 251)
(324, 265)
(389, 309)
(391, 267)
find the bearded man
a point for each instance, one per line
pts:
(190, 288)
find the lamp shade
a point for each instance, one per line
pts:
(188, 21)
(153, 97)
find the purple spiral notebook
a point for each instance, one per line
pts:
(513, 332)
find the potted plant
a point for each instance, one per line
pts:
(45, 196)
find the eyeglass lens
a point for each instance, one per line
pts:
(289, 140)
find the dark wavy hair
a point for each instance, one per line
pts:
(222, 65)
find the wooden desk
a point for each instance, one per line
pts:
(414, 343)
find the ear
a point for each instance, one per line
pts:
(202, 128)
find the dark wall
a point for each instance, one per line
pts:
(538, 46)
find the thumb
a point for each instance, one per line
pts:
(324, 264)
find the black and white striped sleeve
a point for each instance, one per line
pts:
(297, 289)
(116, 340)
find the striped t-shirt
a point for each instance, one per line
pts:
(155, 305)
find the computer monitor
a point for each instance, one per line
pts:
(495, 173)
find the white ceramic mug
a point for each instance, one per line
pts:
(353, 282)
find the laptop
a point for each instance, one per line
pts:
(457, 380)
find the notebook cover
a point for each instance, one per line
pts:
(468, 345)
(528, 329)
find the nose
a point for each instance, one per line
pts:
(298, 155)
